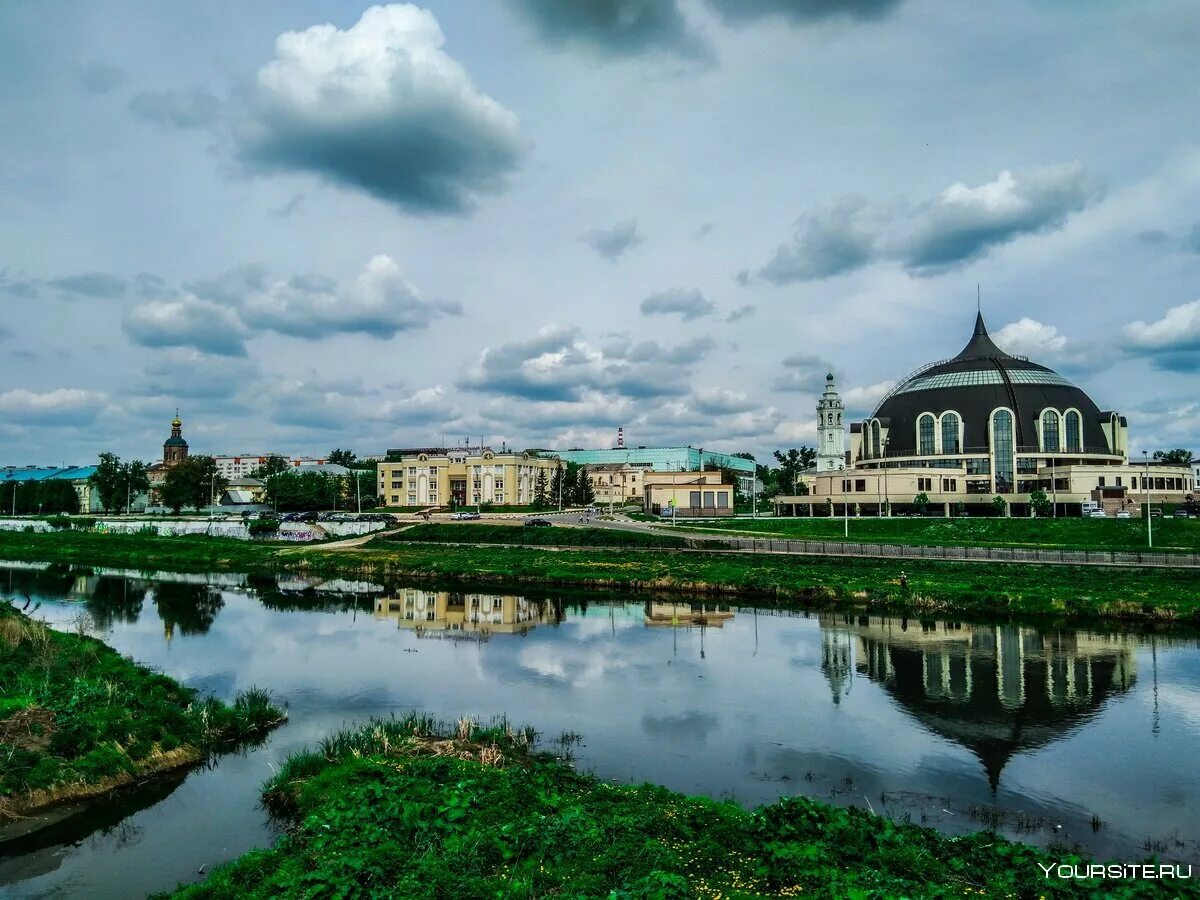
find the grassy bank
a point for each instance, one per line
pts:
(930, 587)
(399, 809)
(576, 536)
(77, 719)
(1060, 534)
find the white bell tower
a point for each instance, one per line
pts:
(831, 433)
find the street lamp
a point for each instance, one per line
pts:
(1146, 491)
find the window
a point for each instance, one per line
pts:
(1118, 481)
(875, 444)
(845, 485)
(1050, 431)
(710, 500)
(1002, 449)
(693, 498)
(1073, 442)
(723, 500)
(950, 433)
(950, 484)
(1100, 482)
(412, 499)
(924, 484)
(396, 499)
(860, 484)
(925, 432)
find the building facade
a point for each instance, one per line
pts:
(26, 478)
(958, 433)
(616, 483)
(687, 494)
(664, 459)
(440, 476)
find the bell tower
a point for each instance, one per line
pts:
(831, 432)
(175, 448)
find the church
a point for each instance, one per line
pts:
(957, 434)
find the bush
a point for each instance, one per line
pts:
(60, 522)
(263, 527)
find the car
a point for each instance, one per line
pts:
(465, 516)
(1124, 514)
(1097, 514)
(538, 523)
(1180, 514)
(1156, 512)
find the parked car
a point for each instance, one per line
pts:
(1155, 512)
(1123, 514)
(1097, 514)
(538, 523)
(466, 515)
(1180, 513)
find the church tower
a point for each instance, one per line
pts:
(175, 448)
(831, 433)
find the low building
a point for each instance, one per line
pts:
(663, 459)
(615, 483)
(984, 424)
(243, 465)
(687, 494)
(244, 492)
(27, 478)
(464, 476)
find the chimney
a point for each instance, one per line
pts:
(620, 438)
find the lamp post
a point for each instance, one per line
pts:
(1053, 490)
(886, 500)
(15, 484)
(1146, 491)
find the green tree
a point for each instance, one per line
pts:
(558, 485)
(733, 477)
(56, 495)
(583, 493)
(921, 502)
(541, 490)
(1040, 502)
(1179, 456)
(791, 464)
(960, 509)
(301, 491)
(118, 483)
(272, 465)
(340, 457)
(999, 504)
(194, 482)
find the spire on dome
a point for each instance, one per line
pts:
(981, 343)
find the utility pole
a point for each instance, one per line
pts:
(845, 514)
(358, 492)
(1146, 491)
(16, 484)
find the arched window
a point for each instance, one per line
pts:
(950, 434)
(831, 418)
(1073, 440)
(1050, 431)
(1002, 450)
(875, 443)
(925, 433)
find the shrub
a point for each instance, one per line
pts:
(263, 527)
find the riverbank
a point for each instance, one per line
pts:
(78, 720)
(917, 587)
(405, 808)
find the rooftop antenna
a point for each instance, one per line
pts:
(978, 301)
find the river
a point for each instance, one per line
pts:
(1080, 738)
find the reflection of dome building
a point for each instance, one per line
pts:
(980, 425)
(996, 690)
(451, 614)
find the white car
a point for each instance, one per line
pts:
(1097, 514)
(1123, 514)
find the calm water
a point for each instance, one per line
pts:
(951, 724)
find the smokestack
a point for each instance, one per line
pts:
(620, 438)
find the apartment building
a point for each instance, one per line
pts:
(467, 476)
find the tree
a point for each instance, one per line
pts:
(298, 491)
(732, 476)
(117, 483)
(584, 494)
(1179, 456)
(56, 495)
(541, 488)
(960, 509)
(194, 482)
(1040, 502)
(272, 465)
(340, 457)
(999, 504)
(791, 464)
(921, 502)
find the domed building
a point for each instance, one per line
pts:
(985, 424)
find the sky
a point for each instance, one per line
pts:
(312, 224)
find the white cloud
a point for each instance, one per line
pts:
(864, 399)
(382, 108)
(62, 406)
(1172, 342)
(186, 321)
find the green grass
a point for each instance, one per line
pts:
(945, 588)
(74, 714)
(397, 809)
(1067, 534)
(519, 534)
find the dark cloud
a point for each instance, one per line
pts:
(6, 333)
(826, 242)
(99, 77)
(90, 284)
(1171, 343)
(380, 108)
(803, 373)
(1153, 236)
(801, 12)
(187, 321)
(190, 374)
(616, 28)
(230, 287)
(689, 304)
(559, 365)
(612, 242)
(742, 312)
(192, 107)
(960, 225)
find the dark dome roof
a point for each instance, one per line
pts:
(976, 381)
(175, 442)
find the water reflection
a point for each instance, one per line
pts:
(995, 689)
(466, 616)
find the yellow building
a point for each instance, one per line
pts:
(429, 612)
(616, 482)
(437, 476)
(689, 493)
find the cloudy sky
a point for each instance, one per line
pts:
(310, 224)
